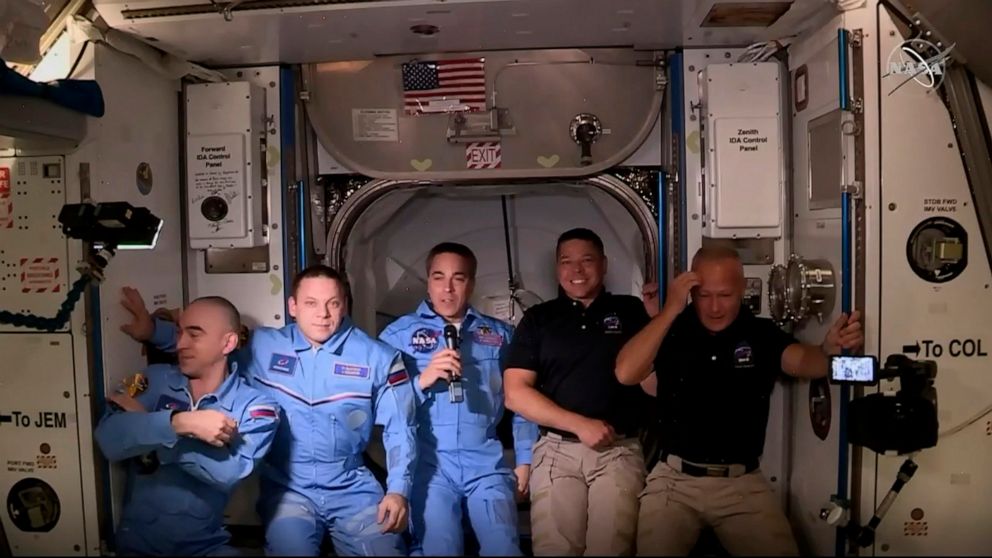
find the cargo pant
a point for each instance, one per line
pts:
(584, 501)
(744, 513)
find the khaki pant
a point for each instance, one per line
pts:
(744, 513)
(584, 501)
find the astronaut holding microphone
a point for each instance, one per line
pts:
(455, 393)
(453, 354)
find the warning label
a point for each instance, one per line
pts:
(40, 275)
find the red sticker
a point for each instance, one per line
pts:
(397, 377)
(6, 203)
(40, 275)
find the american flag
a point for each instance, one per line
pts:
(445, 85)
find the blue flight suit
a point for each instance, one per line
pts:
(460, 457)
(178, 487)
(314, 480)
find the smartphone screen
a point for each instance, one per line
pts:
(854, 369)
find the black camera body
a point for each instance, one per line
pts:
(903, 422)
(113, 225)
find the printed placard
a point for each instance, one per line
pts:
(374, 125)
(40, 275)
(483, 155)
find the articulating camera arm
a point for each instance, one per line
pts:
(105, 227)
(865, 536)
(91, 269)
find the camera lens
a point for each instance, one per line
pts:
(214, 208)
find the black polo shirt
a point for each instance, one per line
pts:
(574, 349)
(714, 388)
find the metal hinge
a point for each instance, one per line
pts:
(857, 36)
(660, 75)
(854, 189)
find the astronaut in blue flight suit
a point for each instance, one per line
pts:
(460, 458)
(195, 431)
(333, 382)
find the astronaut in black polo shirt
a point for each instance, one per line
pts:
(716, 364)
(588, 466)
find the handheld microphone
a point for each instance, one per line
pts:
(455, 392)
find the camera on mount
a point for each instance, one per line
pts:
(105, 228)
(109, 227)
(904, 421)
(117, 225)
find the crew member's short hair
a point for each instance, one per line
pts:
(458, 250)
(580, 234)
(715, 253)
(229, 309)
(321, 270)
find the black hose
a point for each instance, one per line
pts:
(506, 238)
(49, 324)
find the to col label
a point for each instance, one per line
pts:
(958, 348)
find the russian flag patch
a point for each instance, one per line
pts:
(397, 377)
(263, 411)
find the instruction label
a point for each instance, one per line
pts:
(956, 348)
(374, 125)
(216, 165)
(40, 419)
(940, 205)
(20, 466)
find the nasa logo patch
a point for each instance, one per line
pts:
(424, 340)
(742, 356)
